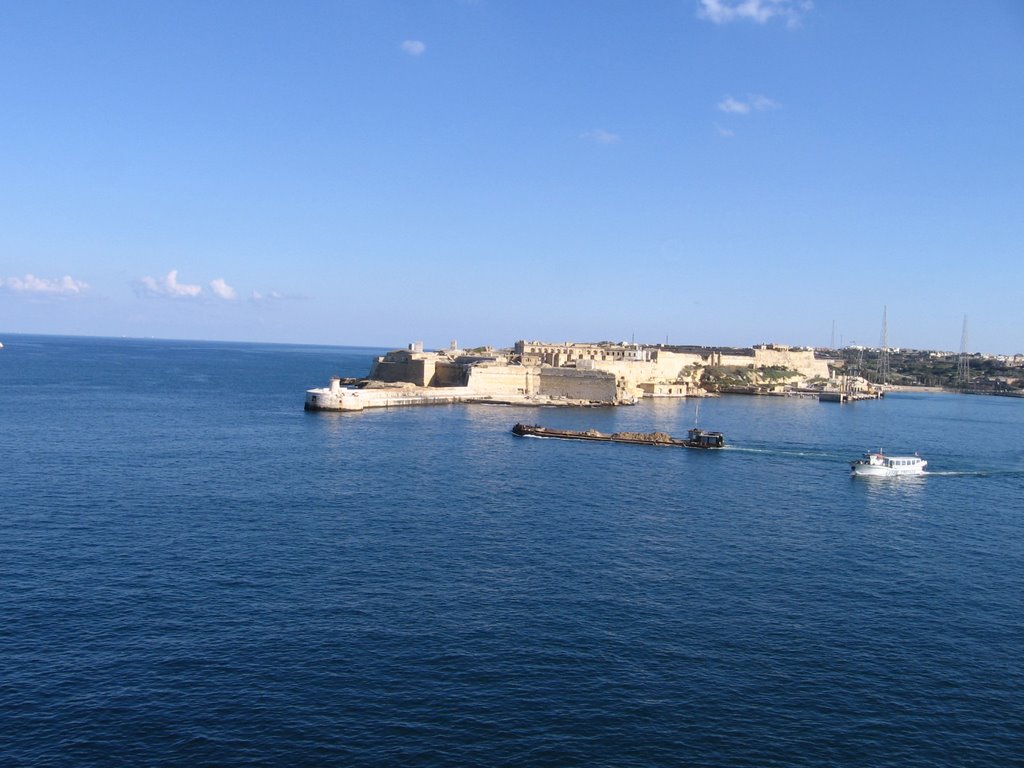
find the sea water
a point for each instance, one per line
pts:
(195, 571)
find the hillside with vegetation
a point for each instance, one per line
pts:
(932, 369)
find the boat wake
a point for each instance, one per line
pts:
(979, 473)
(815, 455)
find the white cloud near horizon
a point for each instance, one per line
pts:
(601, 136)
(268, 296)
(763, 103)
(755, 103)
(221, 289)
(65, 286)
(168, 286)
(414, 47)
(757, 11)
(273, 297)
(731, 105)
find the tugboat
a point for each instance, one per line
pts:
(880, 465)
(695, 438)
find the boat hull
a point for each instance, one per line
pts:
(884, 472)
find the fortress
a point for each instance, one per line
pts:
(568, 373)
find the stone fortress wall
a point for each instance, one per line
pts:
(652, 365)
(611, 373)
(492, 375)
(505, 379)
(800, 359)
(593, 386)
(545, 382)
(405, 366)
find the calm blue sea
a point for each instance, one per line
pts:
(194, 571)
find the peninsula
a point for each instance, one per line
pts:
(570, 374)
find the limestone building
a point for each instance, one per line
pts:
(610, 373)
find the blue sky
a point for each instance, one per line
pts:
(369, 172)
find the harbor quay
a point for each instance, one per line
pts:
(573, 374)
(336, 397)
(339, 397)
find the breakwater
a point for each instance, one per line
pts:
(337, 398)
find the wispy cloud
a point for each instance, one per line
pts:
(168, 286)
(414, 47)
(601, 136)
(733, 106)
(221, 289)
(757, 11)
(65, 286)
(267, 298)
(754, 103)
(763, 103)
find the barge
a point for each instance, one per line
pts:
(695, 438)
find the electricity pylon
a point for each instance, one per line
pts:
(963, 366)
(883, 349)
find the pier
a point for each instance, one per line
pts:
(848, 397)
(337, 397)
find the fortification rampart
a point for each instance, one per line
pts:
(568, 383)
(404, 366)
(643, 364)
(802, 360)
(607, 373)
(504, 379)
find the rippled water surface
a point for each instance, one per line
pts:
(194, 571)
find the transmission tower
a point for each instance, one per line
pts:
(853, 368)
(963, 366)
(883, 349)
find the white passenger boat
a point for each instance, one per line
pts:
(880, 465)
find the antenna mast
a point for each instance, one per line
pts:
(963, 366)
(852, 369)
(883, 349)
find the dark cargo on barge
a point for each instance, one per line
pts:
(695, 438)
